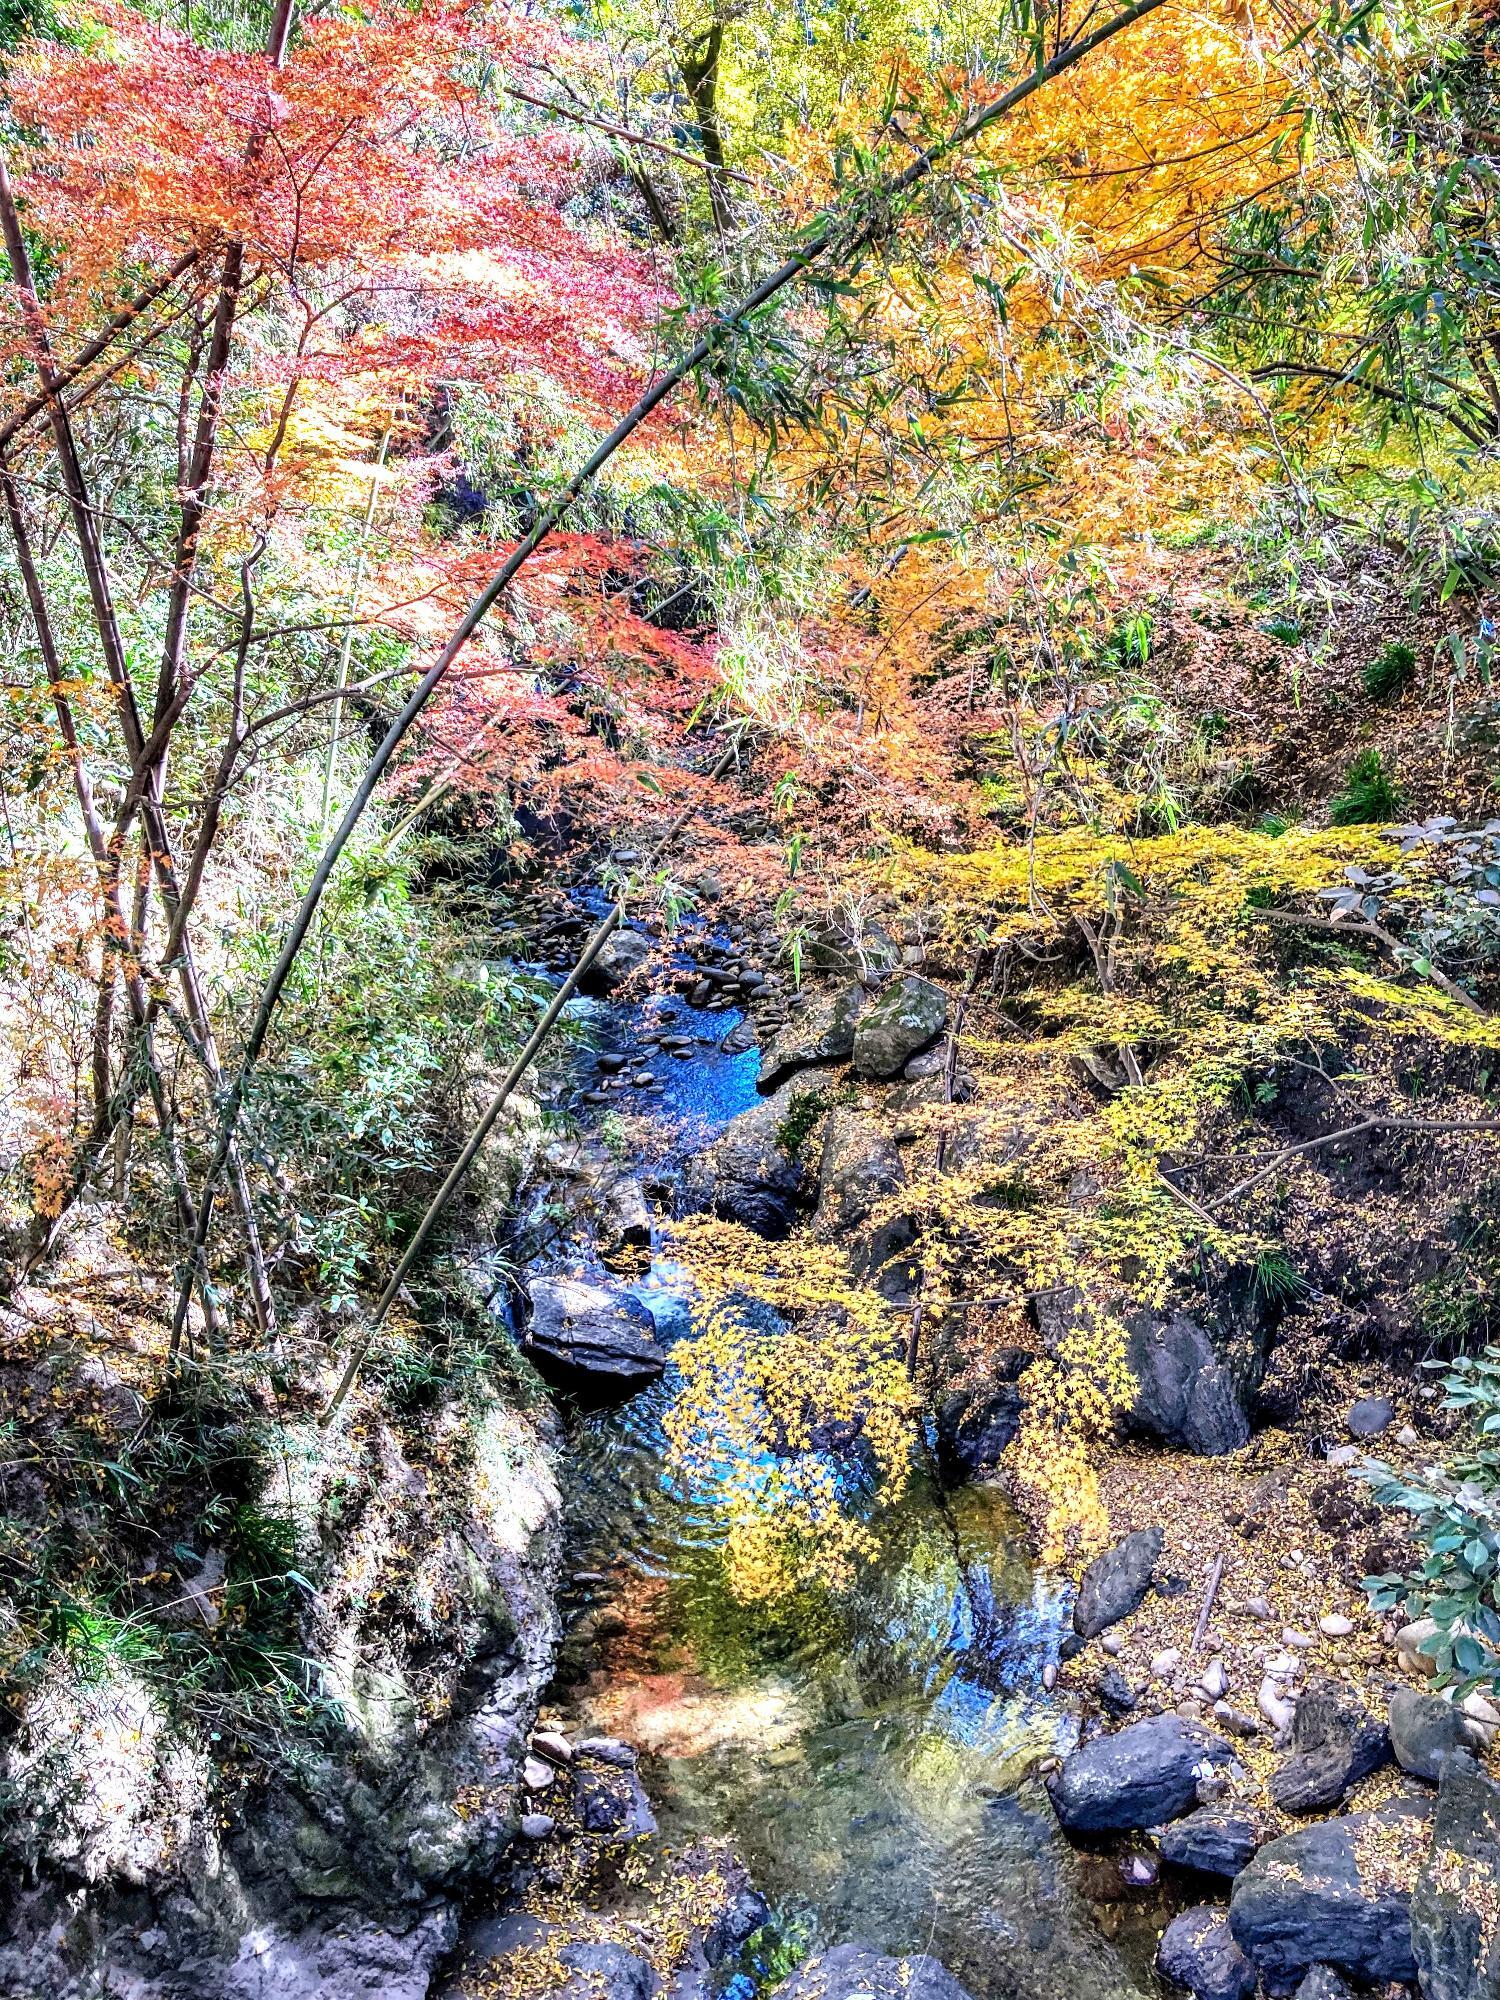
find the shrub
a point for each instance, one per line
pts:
(1456, 1517)
(1391, 673)
(1370, 794)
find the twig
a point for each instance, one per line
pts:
(1215, 1577)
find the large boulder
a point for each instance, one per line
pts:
(753, 1172)
(1113, 1584)
(908, 1015)
(1427, 1731)
(859, 1972)
(592, 1338)
(1455, 1907)
(1141, 1775)
(1335, 1893)
(621, 954)
(821, 1031)
(1215, 1840)
(1185, 1395)
(1335, 1743)
(859, 1168)
(976, 1425)
(1198, 1951)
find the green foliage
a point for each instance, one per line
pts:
(1391, 673)
(1370, 795)
(1276, 1278)
(801, 1121)
(1456, 1517)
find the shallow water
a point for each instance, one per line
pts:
(867, 1752)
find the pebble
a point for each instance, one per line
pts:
(1215, 1682)
(1139, 1870)
(1236, 1723)
(643, 1078)
(536, 1826)
(1112, 1644)
(611, 1063)
(1290, 1636)
(1274, 1706)
(1049, 1676)
(1259, 1607)
(537, 1774)
(1165, 1663)
(1343, 1455)
(1335, 1626)
(1407, 1438)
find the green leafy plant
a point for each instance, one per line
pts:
(1456, 1517)
(1391, 673)
(1370, 793)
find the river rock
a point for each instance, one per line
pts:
(823, 1032)
(613, 1801)
(1335, 1743)
(1143, 1774)
(909, 1014)
(1116, 1696)
(976, 1425)
(1455, 1907)
(606, 1972)
(743, 1916)
(1370, 1416)
(1427, 1731)
(859, 1972)
(1184, 1393)
(1334, 1893)
(592, 1338)
(606, 1750)
(1215, 1840)
(618, 957)
(860, 1166)
(1323, 1983)
(1411, 1640)
(1114, 1583)
(1198, 1951)
(751, 1173)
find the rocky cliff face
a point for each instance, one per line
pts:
(142, 1871)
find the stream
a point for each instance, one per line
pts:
(866, 1753)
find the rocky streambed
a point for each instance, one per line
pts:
(895, 1791)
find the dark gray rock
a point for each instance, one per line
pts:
(746, 1912)
(1215, 1840)
(606, 1972)
(1426, 1731)
(910, 1013)
(1184, 1393)
(1455, 1907)
(822, 1032)
(1334, 1893)
(613, 1801)
(1369, 1417)
(860, 1972)
(1143, 1774)
(1335, 1743)
(593, 1338)
(619, 956)
(1113, 1584)
(749, 1174)
(860, 1166)
(606, 1750)
(1323, 1983)
(975, 1427)
(1198, 1951)
(1116, 1696)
